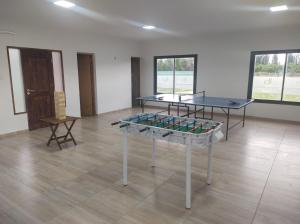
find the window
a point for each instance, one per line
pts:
(275, 77)
(175, 74)
(16, 76)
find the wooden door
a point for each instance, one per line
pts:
(86, 84)
(135, 80)
(38, 85)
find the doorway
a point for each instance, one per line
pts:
(34, 76)
(86, 84)
(135, 80)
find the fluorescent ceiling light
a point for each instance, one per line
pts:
(148, 27)
(64, 4)
(279, 8)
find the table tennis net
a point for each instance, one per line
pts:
(186, 97)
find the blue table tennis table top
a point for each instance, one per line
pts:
(209, 101)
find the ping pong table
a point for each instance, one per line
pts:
(200, 100)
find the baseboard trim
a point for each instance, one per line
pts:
(2, 136)
(237, 116)
(14, 133)
(114, 111)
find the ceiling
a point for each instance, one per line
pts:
(124, 18)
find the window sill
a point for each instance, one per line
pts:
(277, 102)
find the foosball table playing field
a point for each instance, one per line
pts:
(186, 131)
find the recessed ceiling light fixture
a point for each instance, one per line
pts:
(279, 8)
(64, 4)
(149, 27)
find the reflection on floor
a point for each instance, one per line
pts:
(256, 178)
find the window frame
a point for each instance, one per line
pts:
(251, 76)
(195, 56)
(10, 73)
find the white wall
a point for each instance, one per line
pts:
(113, 76)
(228, 77)
(223, 63)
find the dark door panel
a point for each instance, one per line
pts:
(39, 85)
(86, 84)
(135, 80)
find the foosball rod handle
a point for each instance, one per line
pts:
(167, 134)
(124, 125)
(144, 129)
(115, 123)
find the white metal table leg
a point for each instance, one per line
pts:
(188, 167)
(153, 150)
(209, 167)
(125, 157)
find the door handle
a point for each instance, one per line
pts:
(29, 91)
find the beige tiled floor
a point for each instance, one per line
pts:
(256, 178)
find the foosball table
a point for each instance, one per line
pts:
(186, 131)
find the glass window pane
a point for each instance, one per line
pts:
(184, 75)
(57, 71)
(292, 78)
(17, 80)
(165, 75)
(268, 76)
